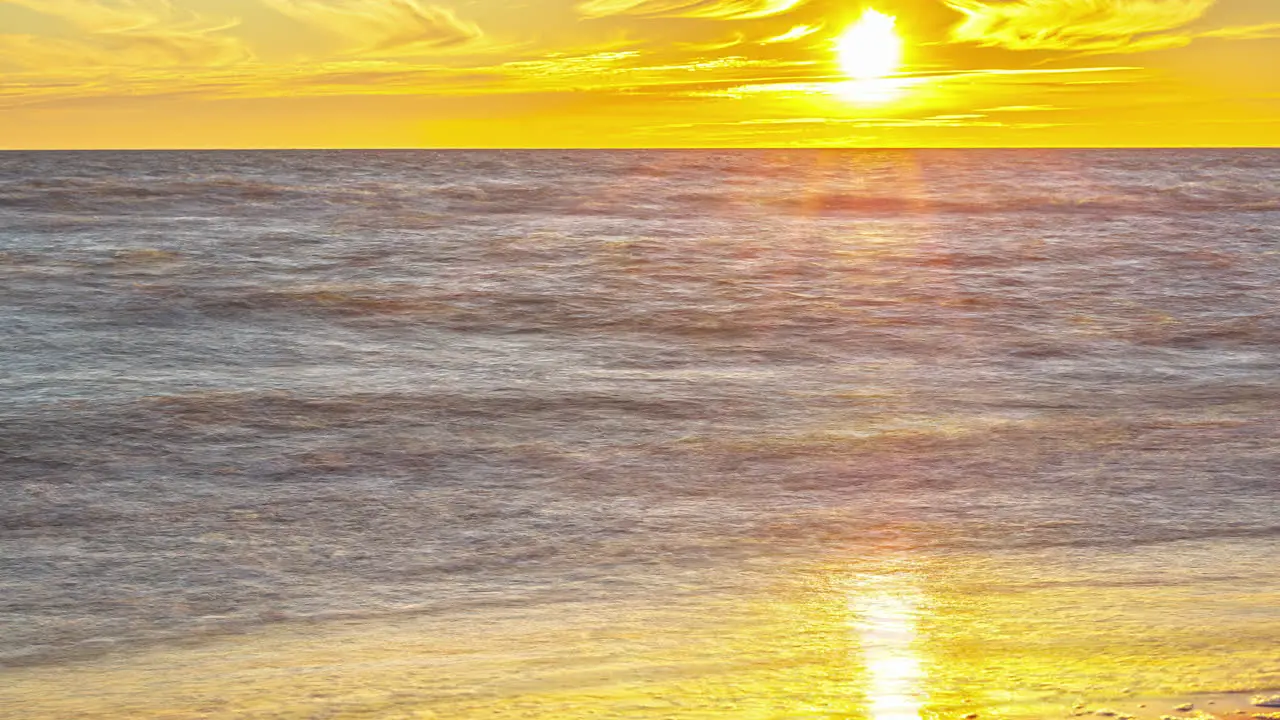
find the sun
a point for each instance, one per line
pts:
(870, 48)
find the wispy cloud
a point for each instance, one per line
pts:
(1246, 32)
(1018, 108)
(719, 9)
(968, 119)
(377, 25)
(833, 86)
(123, 33)
(598, 65)
(795, 33)
(736, 39)
(102, 15)
(1078, 25)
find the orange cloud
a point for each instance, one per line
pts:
(1111, 25)
(718, 9)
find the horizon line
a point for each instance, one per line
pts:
(632, 148)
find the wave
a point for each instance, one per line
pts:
(129, 195)
(286, 386)
(1260, 199)
(655, 185)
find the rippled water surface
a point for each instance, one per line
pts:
(886, 435)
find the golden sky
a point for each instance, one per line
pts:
(637, 73)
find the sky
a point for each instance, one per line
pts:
(634, 73)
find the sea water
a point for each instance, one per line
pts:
(654, 434)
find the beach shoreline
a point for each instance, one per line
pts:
(634, 663)
(1200, 706)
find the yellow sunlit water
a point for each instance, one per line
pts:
(891, 639)
(871, 47)
(884, 620)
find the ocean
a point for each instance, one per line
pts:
(896, 435)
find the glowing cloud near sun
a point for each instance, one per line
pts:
(871, 47)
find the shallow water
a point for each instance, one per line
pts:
(636, 434)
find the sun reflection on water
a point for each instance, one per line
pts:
(884, 613)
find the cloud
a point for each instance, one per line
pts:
(1246, 32)
(122, 33)
(1079, 25)
(102, 15)
(595, 65)
(378, 25)
(1018, 108)
(795, 33)
(737, 39)
(110, 51)
(716, 9)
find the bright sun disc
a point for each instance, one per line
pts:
(870, 48)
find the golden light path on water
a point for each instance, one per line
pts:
(884, 613)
